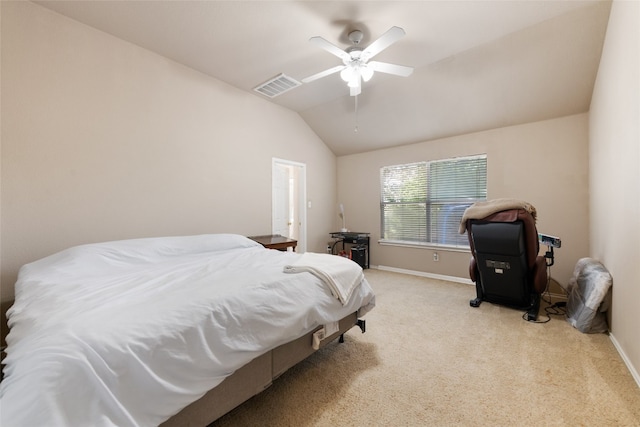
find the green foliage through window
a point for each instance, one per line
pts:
(424, 202)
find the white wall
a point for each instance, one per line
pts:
(544, 163)
(103, 140)
(615, 173)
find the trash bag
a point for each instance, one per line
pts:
(588, 296)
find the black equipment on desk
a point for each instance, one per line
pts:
(359, 251)
(359, 255)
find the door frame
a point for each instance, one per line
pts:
(302, 198)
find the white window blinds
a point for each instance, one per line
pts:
(424, 202)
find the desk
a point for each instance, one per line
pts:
(353, 238)
(276, 241)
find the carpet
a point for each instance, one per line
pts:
(429, 359)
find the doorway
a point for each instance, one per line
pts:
(288, 201)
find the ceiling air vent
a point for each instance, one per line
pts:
(277, 86)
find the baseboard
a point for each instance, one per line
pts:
(627, 361)
(554, 296)
(425, 274)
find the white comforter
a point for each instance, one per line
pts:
(130, 332)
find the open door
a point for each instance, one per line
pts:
(289, 201)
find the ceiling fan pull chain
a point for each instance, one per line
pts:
(356, 114)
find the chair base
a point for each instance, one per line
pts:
(532, 311)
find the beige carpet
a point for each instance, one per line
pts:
(428, 359)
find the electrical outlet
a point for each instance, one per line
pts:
(436, 257)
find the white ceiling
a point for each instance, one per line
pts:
(478, 64)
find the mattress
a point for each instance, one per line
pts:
(130, 332)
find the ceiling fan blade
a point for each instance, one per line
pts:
(387, 39)
(384, 67)
(331, 48)
(324, 73)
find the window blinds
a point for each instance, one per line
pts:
(404, 202)
(424, 202)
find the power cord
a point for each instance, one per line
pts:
(557, 309)
(553, 309)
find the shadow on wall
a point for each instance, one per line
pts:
(4, 328)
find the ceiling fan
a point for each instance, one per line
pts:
(355, 59)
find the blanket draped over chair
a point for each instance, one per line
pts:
(481, 210)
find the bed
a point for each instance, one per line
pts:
(173, 330)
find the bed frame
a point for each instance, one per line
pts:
(255, 377)
(252, 378)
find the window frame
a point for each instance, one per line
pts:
(430, 201)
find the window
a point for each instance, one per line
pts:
(423, 203)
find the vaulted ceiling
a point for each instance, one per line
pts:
(477, 64)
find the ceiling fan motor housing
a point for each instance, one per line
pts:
(356, 36)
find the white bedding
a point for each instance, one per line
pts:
(130, 332)
(341, 274)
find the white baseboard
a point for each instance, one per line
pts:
(425, 274)
(555, 297)
(626, 360)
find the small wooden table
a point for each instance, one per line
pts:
(276, 241)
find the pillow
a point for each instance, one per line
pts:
(107, 257)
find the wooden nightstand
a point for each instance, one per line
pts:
(276, 241)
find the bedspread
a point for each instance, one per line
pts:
(130, 332)
(342, 275)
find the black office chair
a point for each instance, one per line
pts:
(505, 265)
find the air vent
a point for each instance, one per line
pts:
(277, 86)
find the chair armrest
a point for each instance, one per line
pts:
(540, 275)
(473, 269)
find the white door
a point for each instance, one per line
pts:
(289, 201)
(281, 200)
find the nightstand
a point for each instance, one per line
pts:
(276, 241)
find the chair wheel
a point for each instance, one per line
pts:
(475, 302)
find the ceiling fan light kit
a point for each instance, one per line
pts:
(356, 67)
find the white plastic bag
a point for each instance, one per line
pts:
(589, 296)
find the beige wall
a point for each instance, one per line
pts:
(544, 163)
(2, 309)
(615, 174)
(103, 140)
